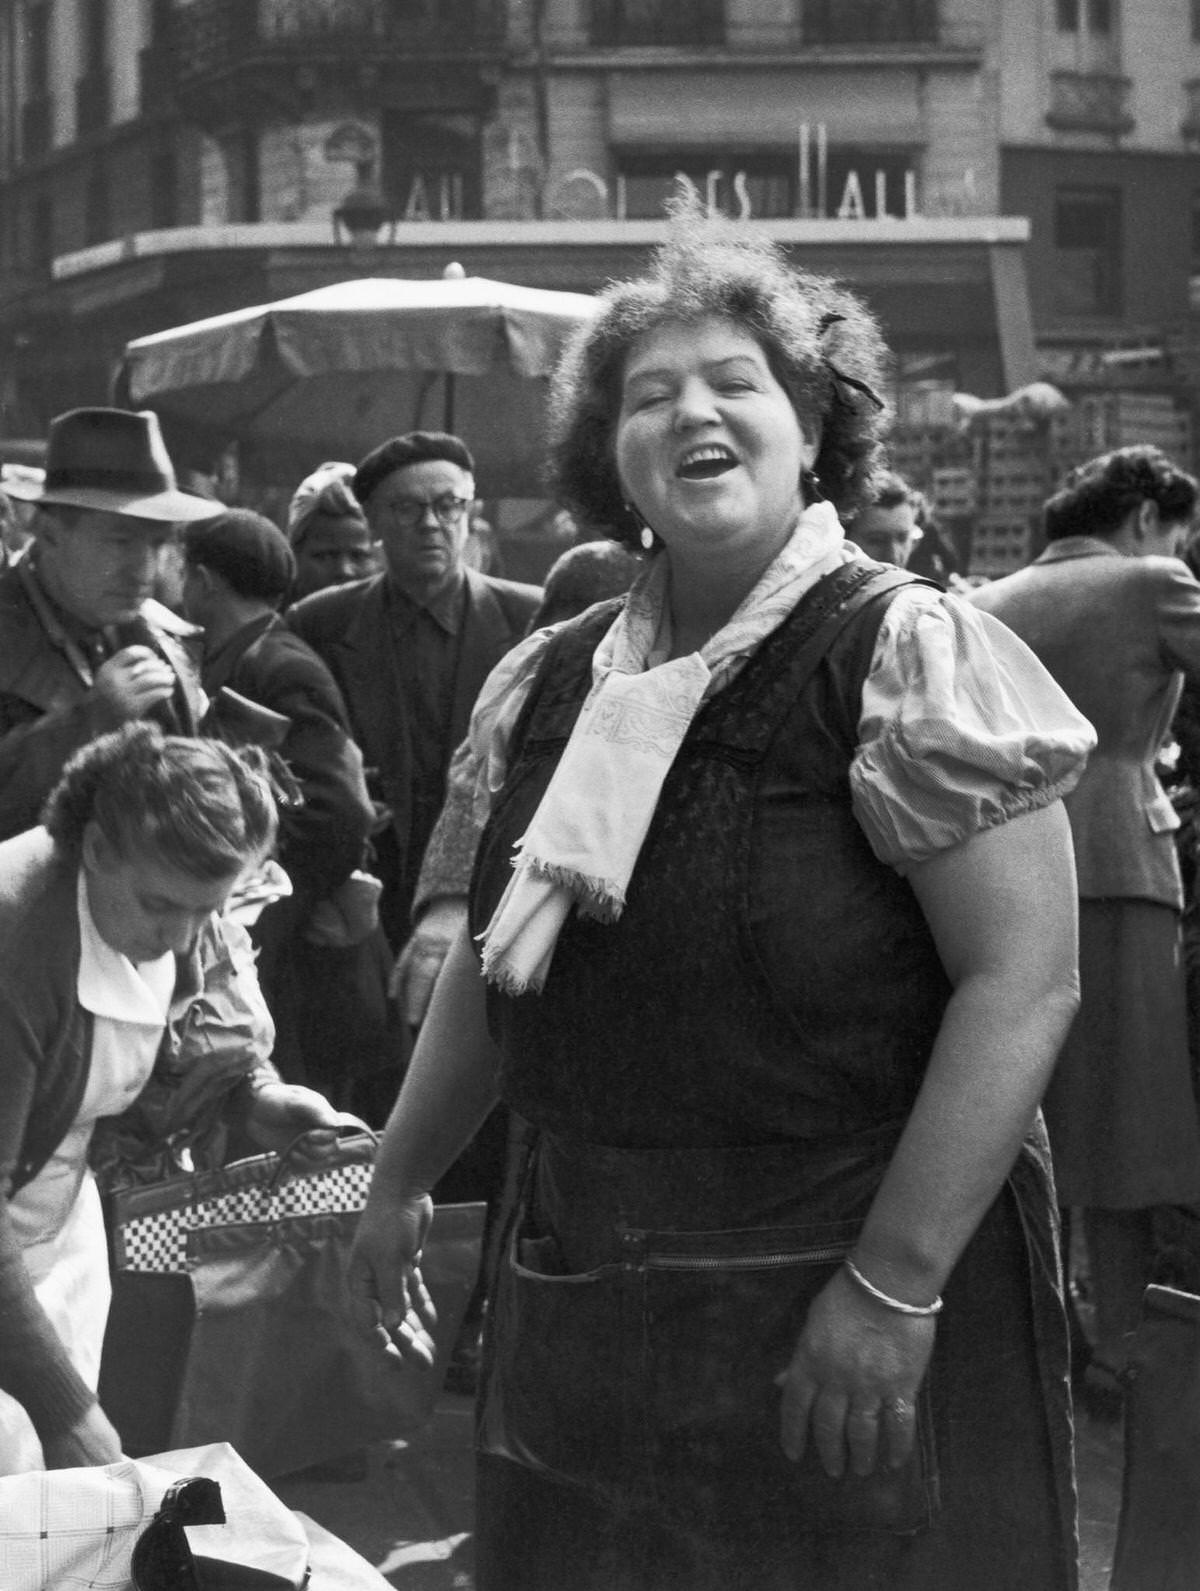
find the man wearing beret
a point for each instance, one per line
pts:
(84, 648)
(411, 647)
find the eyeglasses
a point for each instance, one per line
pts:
(410, 511)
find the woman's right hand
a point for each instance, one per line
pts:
(388, 1299)
(91, 1440)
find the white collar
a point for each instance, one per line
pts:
(110, 985)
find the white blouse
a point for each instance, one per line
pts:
(961, 728)
(129, 1004)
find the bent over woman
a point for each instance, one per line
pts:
(776, 912)
(110, 936)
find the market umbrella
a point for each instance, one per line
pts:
(334, 372)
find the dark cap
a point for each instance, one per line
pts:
(416, 448)
(246, 549)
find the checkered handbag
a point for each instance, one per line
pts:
(150, 1224)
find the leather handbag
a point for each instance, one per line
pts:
(260, 1348)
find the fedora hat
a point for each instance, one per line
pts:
(115, 460)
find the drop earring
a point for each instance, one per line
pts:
(645, 534)
(810, 487)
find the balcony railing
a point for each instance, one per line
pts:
(92, 103)
(36, 124)
(211, 37)
(1090, 102)
(870, 21)
(314, 19)
(623, 23)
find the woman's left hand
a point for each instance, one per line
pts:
(282, 1113)
(853, 1380)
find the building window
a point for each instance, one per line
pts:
(36, 109)
(97, 212)
(41, 231)
(1096, 15)
(1195, 233)
(164, 188)
(870, 21)
(1100, 16)
(632, 22)
(93, 28)
(248, 178)
(37, 49)
(1087, 246)
(1196, 21)
(91, 89)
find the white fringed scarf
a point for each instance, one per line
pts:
(583, 841)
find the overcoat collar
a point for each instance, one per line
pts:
(1079, 547)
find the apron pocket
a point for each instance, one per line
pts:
(651, 1382)
(556, 1373)
(721, 1314)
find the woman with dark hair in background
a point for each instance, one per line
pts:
(111, 937)
(1114, 614)
(777, 979)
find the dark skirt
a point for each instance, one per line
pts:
(1003, 1492)
(1120, 1109)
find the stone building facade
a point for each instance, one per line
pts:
(1011, 182)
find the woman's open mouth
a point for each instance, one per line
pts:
(706, 463)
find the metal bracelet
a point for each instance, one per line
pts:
(900, 1307)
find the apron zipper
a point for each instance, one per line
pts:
(743, 1262)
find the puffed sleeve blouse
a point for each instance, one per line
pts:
(961, 729)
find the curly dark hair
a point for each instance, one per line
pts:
(822, 344)
(1097, 497)
(197, 805)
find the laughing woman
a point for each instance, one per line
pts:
(777, 977)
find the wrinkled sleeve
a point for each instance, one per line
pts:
(219, 1037)
(1178, 606)
(961, 729)
(476, 773)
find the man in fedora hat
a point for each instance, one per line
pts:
(84, 647)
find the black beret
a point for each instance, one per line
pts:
(415, 448)
(246, 549)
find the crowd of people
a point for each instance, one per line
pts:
(782, 935)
